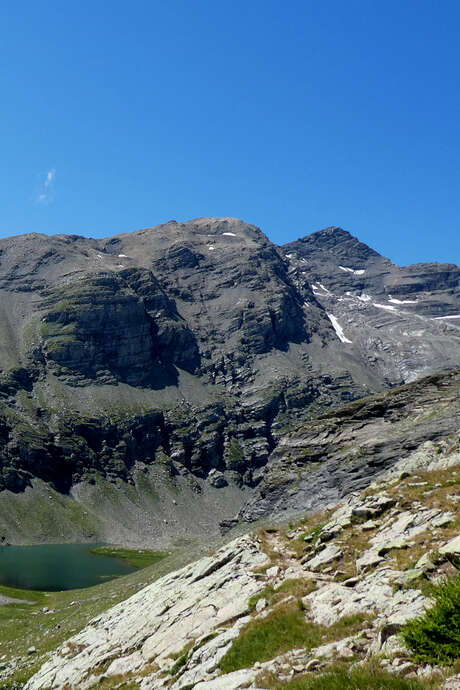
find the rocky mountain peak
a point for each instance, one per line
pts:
(331, 244)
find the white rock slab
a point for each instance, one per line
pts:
(159, 620)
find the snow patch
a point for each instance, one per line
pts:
(229, 234)
(451, 316)
(414, 334)
(357, 272)
(363, 297)
(122, 256)
(393, 300)
(289, 256)
(320, 289)
(211, 248)
(388, 307)
(338, 329)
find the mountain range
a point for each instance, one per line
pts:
(153, 384)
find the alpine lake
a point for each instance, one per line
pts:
(60, 567)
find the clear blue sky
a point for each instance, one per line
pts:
(292, 115)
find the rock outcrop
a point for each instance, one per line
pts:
(152, 628)
(342, 451)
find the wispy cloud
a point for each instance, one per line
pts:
(46, 193)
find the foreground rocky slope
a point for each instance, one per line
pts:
(358, 569)
(174, 359)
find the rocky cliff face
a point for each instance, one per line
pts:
(340, 452)
(190, 349)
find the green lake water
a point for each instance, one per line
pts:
(55, 567)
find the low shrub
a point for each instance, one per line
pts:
(434, 637)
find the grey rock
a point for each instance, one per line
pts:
(395, 544)
(442, 521)
(368, 559)
(425, 564)
(373, 506)
(230, 681)
(274, 571)
(452, 548)
(409, 576)
(217, 479)
(261, 604)
(452, 683)
(312, 665)
(380, 432)
(374, 592)
(327, 555)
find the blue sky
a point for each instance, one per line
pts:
(291, 115)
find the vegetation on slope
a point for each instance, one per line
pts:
(435, 637)
(338, 678)
(138, 558)
(283, 629)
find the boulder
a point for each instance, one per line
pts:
(452, 548)
(368, 559)
(327, 555)
(395, 544)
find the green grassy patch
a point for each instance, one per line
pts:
(25, 594)
(312, 534)
(181, 659)
(186, 652)
(266, 593)
(284, 629)
(137, 558)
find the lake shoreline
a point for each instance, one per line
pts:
(58, 567)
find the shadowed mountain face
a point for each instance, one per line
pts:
(193, 347)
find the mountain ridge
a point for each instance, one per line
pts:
(189, 349)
